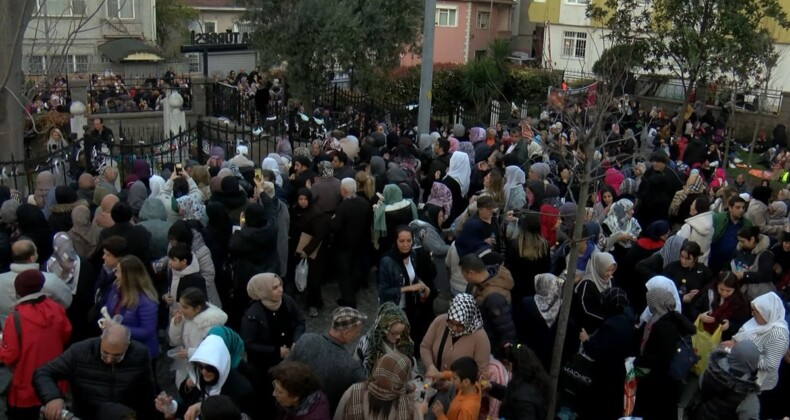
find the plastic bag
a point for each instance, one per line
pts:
(300, 275)
(629, 388)
(704, 343)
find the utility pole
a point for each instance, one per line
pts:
(15, 16)
(426, 71)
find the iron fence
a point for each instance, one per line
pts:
(194, 142)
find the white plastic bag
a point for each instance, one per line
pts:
(300, 275)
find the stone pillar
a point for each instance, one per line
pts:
(79, 92)
(78, 119)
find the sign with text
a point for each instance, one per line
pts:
(221, 38)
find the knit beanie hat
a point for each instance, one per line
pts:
(540, 169)
(121, 212)
(255, 216)
(28, 282)
(65, 195)
(230, 185)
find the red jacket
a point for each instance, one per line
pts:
(45, 330)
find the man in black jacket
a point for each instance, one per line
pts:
(350, 225)
(136, 236)
(110, 369)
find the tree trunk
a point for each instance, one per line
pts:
(567, 287)
(680, 124)
(18, 13)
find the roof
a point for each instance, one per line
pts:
(129, 49)
(215, 3)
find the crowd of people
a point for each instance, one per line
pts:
(258, 94)
(110, 93)
(212, 268)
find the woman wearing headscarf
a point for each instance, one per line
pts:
(31, 224)
(233, 342)
(515, 195)
(378, 170)
(84, 234)
(568, 217)
(457, 334)
(660, 282)
(390, 333)
(441, 196)
(457, 180)
(385, 396)
(621, 229)
(392, 211)
(271, 324)
(608, 347)
(681, 202)
(729, 380)
(271, 164)
(103, 215)
(79, 275)
(540, 313)
(654, 266)
(768, 330)
(587, 293)
(314, 223)
(153, 217)
(427, 230)
(657, 395)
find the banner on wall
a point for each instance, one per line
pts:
(560, 99)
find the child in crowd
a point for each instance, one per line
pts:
(466, 404)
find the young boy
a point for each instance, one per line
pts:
(466, 404)
(185, 273)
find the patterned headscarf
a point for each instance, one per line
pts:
(63, 260)
(547, 297)
(442, 197)
(619, 221)
(670, 251)
(388, 314)
(464, 310)
(628, 187)
(389, 382)
(659, 301)
(192, 209)
(325, 169)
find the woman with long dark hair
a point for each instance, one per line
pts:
(526, 395)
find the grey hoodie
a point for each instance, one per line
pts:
(153, 217)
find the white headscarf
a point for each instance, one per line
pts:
(661, 282)
(514, 177)
(272, 165)
(156, 183)
(771, 308)
(460, 170)
(596, 267)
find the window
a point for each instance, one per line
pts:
(574, 44)
(62, 7)
(194, 63)
(446, 16)
(483, 19)
(577, 1)
(81, 63)
(209, 27)
(121, 9)
(244, 27)
(35, 64)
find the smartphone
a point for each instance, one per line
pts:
(178, 169)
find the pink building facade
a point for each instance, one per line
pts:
(465, 28)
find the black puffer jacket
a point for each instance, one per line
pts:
(94, 383)
(522, 401)
(721, 391)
